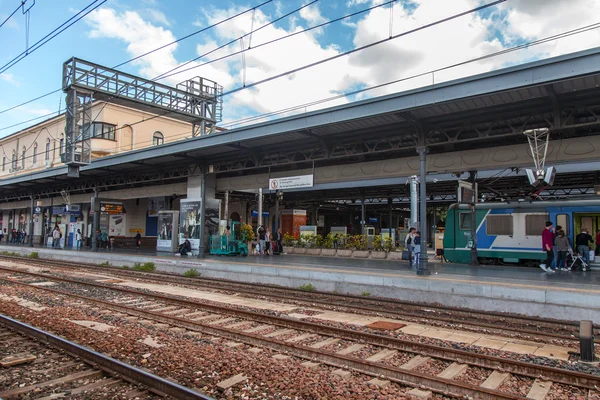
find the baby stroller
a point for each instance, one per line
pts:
(575, 262)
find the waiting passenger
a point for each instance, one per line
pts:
(185, 248)
(408, 243)
(267, 242)
(261, 239)
(562, 246)
(547, 246)
(555, 232)
(417, 247)
(583, 241)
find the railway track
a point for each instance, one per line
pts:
(40, 365)
(397, 360)
(525, 328)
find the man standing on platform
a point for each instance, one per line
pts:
(547, 246)
(583, 241)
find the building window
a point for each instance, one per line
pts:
(14, 161)
(23, 157)
(563, 220)
(499, 225)
(158, 139)
(3, 163)
(535, 224)
(35, 153)
(465, 221)
(98, 130)
(61, 145)
(47, 149)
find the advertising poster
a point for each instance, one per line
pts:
(116, 225)
(155, 204)
(165, 231)
(189, 223)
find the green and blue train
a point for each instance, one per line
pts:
(511, 233)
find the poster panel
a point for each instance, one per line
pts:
(189, 222)
(117, 225)
(165, 231)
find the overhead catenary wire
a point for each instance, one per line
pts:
(147, 53)
(360, 48)
(228, 55)
(22, 3)
(57, 31)
(125, 87)
(494, 54)
(489, 55)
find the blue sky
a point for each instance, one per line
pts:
(122, 29)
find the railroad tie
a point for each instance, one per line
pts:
(222, 321)
(453, 370)
(104, 383)
(415, 362)
(234, 380)
(278, 333)
(324, 343)
(300, 338)
(383, 354)
(539, 389)
(495, 380)
(351, 349)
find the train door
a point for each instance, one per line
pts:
(591, 221)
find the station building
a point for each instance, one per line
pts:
(361, 157)
(115, 130)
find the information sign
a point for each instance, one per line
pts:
(110, 208)
(291, 182)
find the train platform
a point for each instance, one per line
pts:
(527, 291)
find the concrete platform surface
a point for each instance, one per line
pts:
(528, 291)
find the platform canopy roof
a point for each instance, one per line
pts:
(489, 109)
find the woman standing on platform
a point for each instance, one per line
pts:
(138, 240)
(562, 246)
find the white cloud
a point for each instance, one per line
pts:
(157, 16)
(312, 15)
(452, 42)
(10, 78)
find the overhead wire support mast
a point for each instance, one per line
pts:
(195, 101)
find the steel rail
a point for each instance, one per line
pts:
(127, 372)
(541, 322)
(405, 377)
(558, 375)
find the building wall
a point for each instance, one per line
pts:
(129, 135)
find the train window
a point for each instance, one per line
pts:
(465, 221)
(535, 224)
(563, 220)
(499, 225)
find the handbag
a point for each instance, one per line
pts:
(405, 255)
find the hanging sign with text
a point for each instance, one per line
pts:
(291, 182)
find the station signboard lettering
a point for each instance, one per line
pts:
(291, 182)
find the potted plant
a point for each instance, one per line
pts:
(327, 244)
(360, 247)
(314, 243)
(379, 251)
(301, 244)
(247, 231)
(345, 246)
(289, 241)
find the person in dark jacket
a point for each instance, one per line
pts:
(278, 242)
(184, 248)
(138, 240)
(582, 241)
